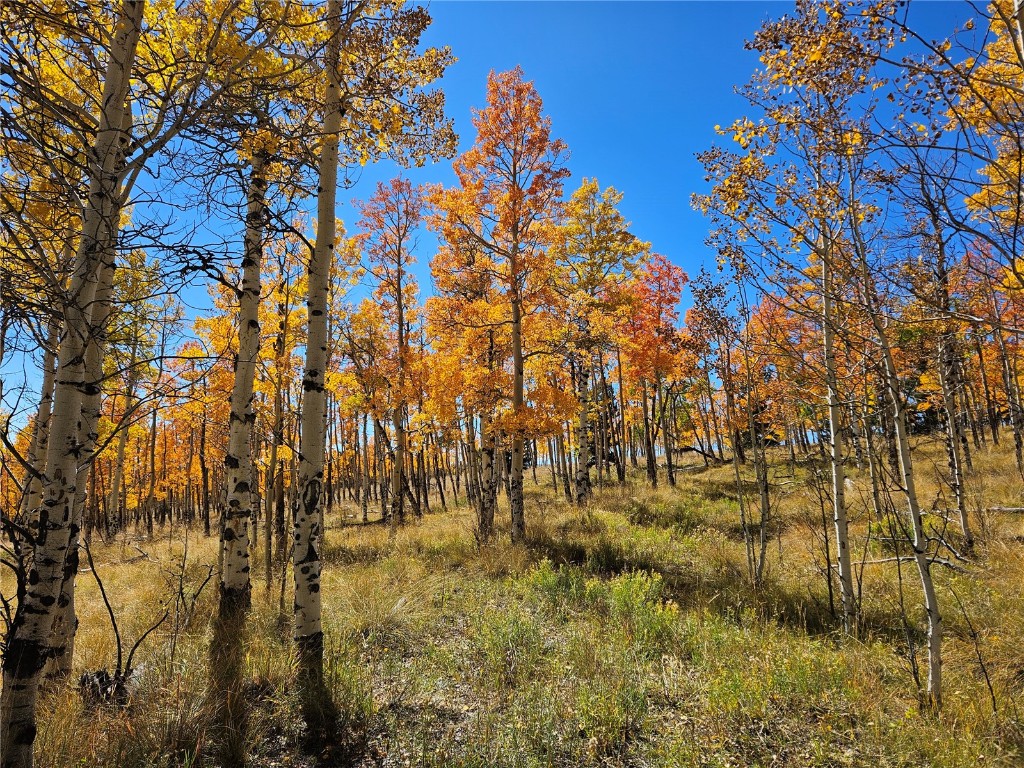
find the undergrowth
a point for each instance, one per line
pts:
(626, 633)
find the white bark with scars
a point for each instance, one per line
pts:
(28, 636)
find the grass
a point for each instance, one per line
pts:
(623, 634)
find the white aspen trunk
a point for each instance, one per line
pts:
(518, 402)
(65, 622)
(28, 634)
(308, 632)
(240, 490)
(235, 582)
(36, 457)
(486, 500)
(919, 541)
(835, 444)
(583, 489)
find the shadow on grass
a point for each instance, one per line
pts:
(724, 589)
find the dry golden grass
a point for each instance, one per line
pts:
(626, 633)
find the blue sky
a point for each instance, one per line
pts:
(634, 88)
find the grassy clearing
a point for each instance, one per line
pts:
(625, 634)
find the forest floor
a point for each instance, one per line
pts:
(623, 634)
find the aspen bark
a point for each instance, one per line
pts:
(235, 584)
(518, 402)
(308, 530)
(24, 655)
(583, 489)
(65, 621)
(36, 457)
(835, 446)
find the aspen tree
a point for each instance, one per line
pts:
(27, 637)
(595, 253)
(235, 582)
(387, 229)
(782, 190)
(509, 185)
(373, 78)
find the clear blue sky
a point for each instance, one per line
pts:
(634, 88)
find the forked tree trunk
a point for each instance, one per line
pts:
(36, 457)
(27, 635)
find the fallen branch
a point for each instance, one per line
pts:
(908, 558)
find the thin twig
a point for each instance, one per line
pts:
(106, 602)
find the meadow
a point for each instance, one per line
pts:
(623, 633)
